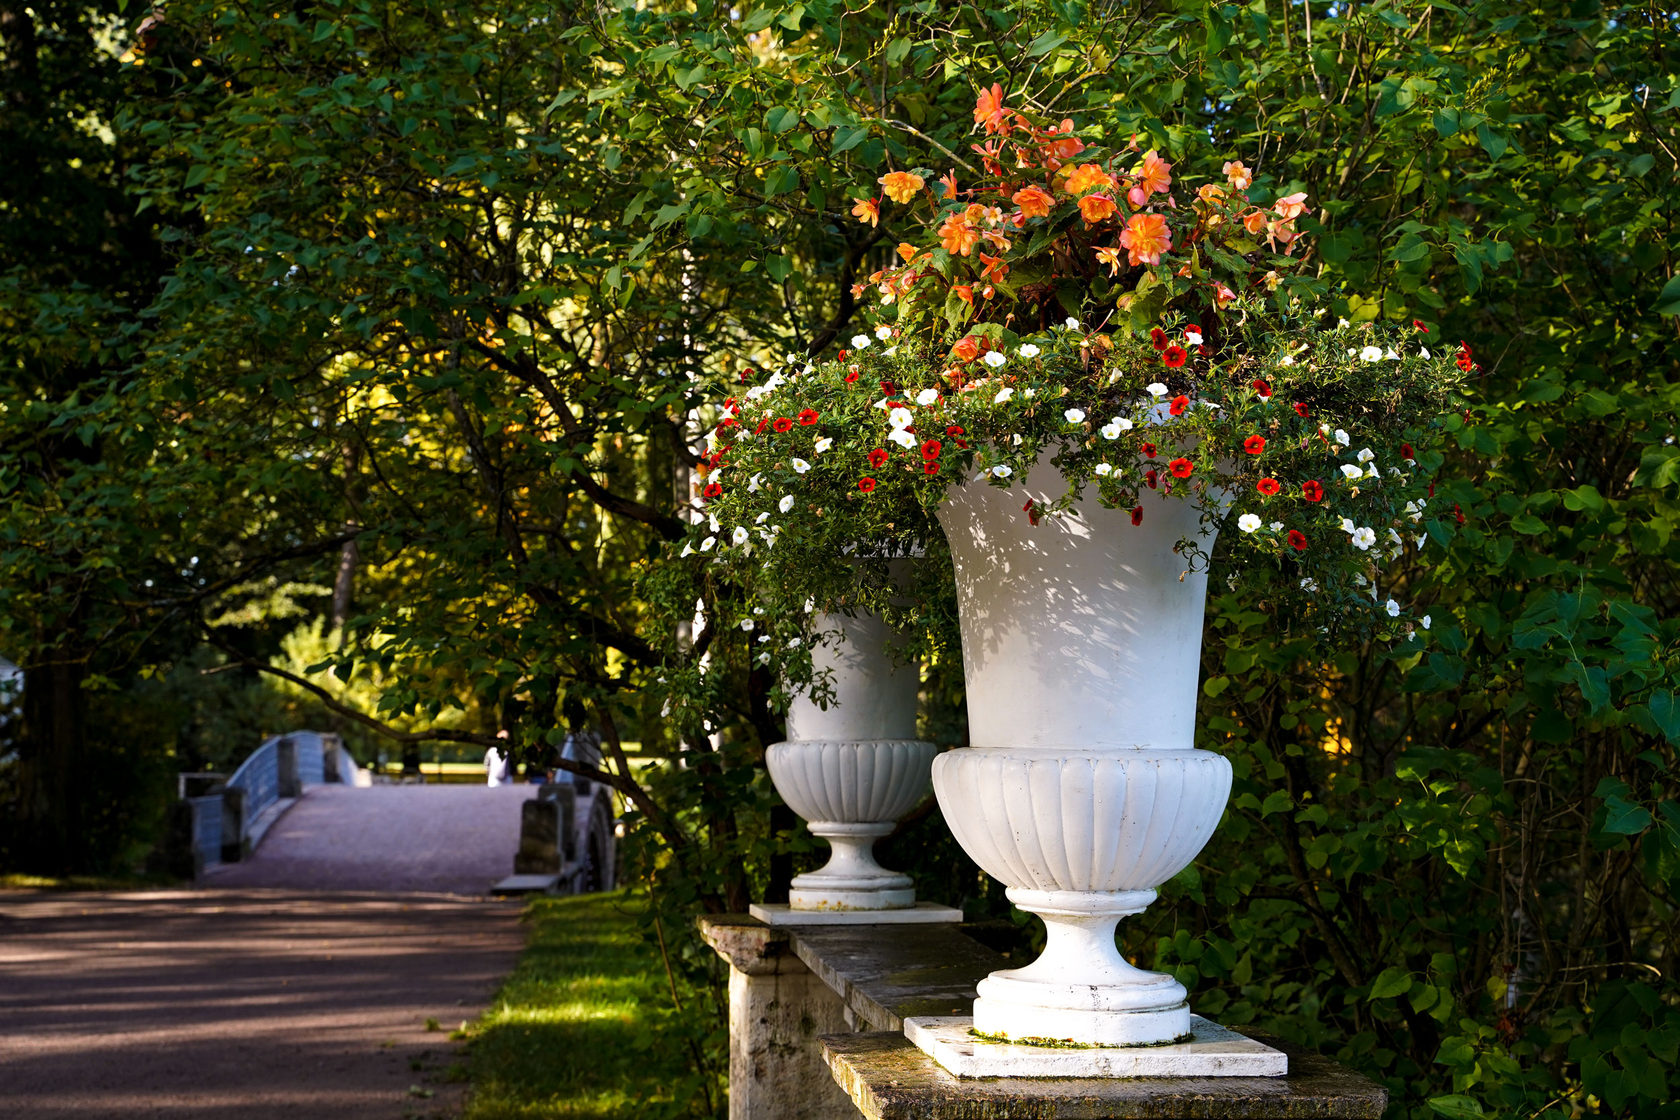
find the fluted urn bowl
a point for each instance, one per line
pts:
(851, 782)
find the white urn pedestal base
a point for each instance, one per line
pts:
(781, 914)
(1210, 1051)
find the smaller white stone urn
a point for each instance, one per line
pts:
(853, 770)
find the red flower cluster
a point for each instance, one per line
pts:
(1312, 490)
(782, 424)
(1174, 356)
(1268, 486)
(1254, 444)
(1181, 468)
(878, 457)
(1179, 404)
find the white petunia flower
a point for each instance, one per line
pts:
(786, 503)
(1275, 526)
(799, 466)
(1028, 351)
(1371, 471)
(1371, 353)
(901, 418)
(1029, 392)
(1425, 621)
(688, 549)
(860, 341)
(747, 624)
(883, 332)
(1072, 323)
(902, 437)
(1287, 360)
(1074, 416)
(1104, 469)
(927, 397)
(706, 545)
(794, 643)
(810, 605)
(1421, 539)
(1193, 336)
(1423, 352)
(1347, 525)
(1365, 455)
(764, 659)
(752, 484)
(824, 444)
(1002, 470)
(995, 358)
(1309, 584)
(1394, 536)
(712, 523)
(1248, 522)
(890, 351)
(1111, 430)
(1156, 389)
(1341, 437)
(1359, 580)
(1392, 608)
(1364, 538)
(1003, 394)
(1393, 355)
(740, 535)
(1351, 471)
(761, 518)
(1414, 511)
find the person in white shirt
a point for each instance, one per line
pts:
(497, 770)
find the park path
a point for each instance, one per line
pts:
(457, 839)
(296, 984)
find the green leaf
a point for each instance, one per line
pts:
(781, 180)
(1664, 707)
(1527, 524)
(1625, 818)
(1277, 801)
(1668, 300)
(780, 119)
(1456, 1106)
(1392, 982)
(1494, 144)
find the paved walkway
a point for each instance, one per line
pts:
(456, 839)
(242, 1004)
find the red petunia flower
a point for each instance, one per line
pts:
(1174, 355)
(851, 377)
(1312, 490)
(1149, 477)
(1137, 513)
(1179, 404)
(808, 416)
(1458, 513)
(930, 468)
(713, 490)
(1406, 453)
(746, 373)
(1181, 468)
(1261, 387)
(1431, 489)
(955, 430)
(1418, 323)
(931, 450)
(1158, 338)
(843, 354)
(1254, 444)
(878, 457)
(889, 388)
(866, 484)
(1268, 486)
(1300, 410)
(1297, 540)
(1148, 450)
(782, 424)
(762, 424)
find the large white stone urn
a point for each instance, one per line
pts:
(1082, 790)
(854, 769)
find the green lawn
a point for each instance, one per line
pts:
(583, 1026)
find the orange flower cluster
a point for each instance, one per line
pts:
(1031, 181)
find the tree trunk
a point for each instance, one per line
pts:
(49, 836)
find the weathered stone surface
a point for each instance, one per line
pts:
(781, 914)
(888, 1078)
(886, 976)
(1210, 1051)
(541, 836)
(777, 1011)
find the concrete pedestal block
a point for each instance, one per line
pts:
(777, 1010)
(286, 758)
(545, 830)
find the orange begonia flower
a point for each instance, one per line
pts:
(1154, 174)
(949, 182)
(901, 186)
(964, 292)
(1222, 295)
(1088, 176)
(1096, 207)
(997, 240)
(1210, 192)
(989, 110)
(967, 349)
(1146, 237)
(957, 236)
(1035, 202)
(1291, 206)
(907, 251)
(1254, 221)
(995, 270)
(1061, 144)
(867, 210)
(1110, 257)
(1239, 175)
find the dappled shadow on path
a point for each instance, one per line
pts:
(247, 1004)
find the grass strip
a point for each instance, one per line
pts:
(583, 1026)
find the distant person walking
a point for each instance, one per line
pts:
(497, 770)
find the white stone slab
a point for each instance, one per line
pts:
(781, 914)
(526, 884)
(1211, 1051)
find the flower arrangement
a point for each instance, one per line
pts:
(1208, 374)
